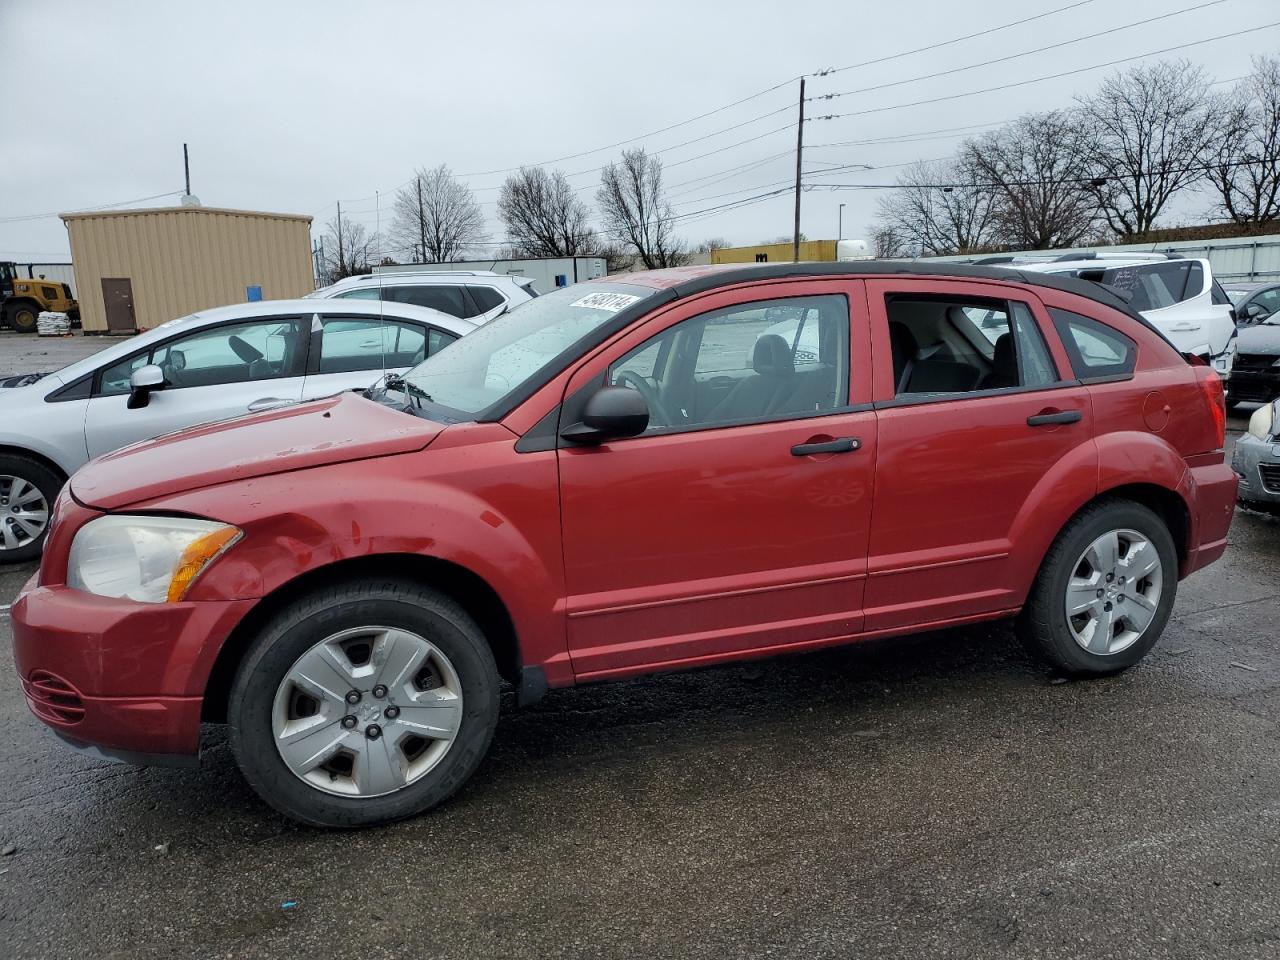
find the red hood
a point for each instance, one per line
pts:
(334, 430)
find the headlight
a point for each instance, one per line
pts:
(1263, 421)
(150, 559)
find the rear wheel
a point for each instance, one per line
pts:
(1104, 592)
(27, 491)
(23, 317)
(367, 703)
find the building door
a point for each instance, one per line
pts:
(117, 294)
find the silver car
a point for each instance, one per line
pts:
(1257, 459)
(210, 365)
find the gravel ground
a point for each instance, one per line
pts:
(934, 796)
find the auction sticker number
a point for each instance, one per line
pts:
(613, 302)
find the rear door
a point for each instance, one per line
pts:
(353, 352)
(213, 373)
(977, 407)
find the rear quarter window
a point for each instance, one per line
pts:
(1096, 350)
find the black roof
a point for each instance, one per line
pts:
(921, 268)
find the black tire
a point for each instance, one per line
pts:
(304, 623)
(1042, 625)
(23, 317)
(1232, 404)
(46, 481)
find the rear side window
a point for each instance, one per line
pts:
(1096, 350)
(1157, 285)
(487, 298)
(438, 296)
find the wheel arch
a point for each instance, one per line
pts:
(466, 587)
(9, 449)
(1165, 503)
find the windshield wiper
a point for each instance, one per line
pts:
(396, 382)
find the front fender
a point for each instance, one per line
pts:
(500, 524)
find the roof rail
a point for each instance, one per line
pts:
(1088, 255)
(989, 261)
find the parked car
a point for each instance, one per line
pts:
(1255, 375)
(1256, 459)
(207, 366)
(1254, 302)
(601, 485)
(474, 295)
(1179, 296)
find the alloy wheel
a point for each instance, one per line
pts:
(367, 711)
(24, 512)
(1114, 592)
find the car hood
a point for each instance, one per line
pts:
(334, 430)
(1261, 338)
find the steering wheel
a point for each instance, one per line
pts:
(650, 394)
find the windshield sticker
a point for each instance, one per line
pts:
(613, 302)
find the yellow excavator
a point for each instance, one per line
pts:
(22, 299)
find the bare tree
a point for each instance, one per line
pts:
(634, 209)
(889, 244)
(437, 218)
(1151, 130)
(938, 211)
(349, 249)
(543, 215)
(1039, 167)
(1245, 168)
(712, 244)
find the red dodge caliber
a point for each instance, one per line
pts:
(672, 469)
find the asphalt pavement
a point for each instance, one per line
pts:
(932, 796)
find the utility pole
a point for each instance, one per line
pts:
(795, 252)
(840, 223)
(323, 272)
(340, 260)
(422, 223)
(186, 169)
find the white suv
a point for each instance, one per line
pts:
(1178, 296)
(474, 295)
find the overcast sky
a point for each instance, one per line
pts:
(290, 107)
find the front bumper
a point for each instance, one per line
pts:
(127, 678)
(1257, 462)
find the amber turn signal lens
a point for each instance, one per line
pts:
(199, 553)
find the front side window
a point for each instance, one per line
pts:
(363, 293)
(1269, 300)
(1095, 349)
(743, 364)
(231, 353)
(945, 345)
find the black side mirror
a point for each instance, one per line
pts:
(141, 382)
(611, 413)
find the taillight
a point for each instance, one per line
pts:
(1214, 396)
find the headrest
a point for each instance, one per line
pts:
(772, 357)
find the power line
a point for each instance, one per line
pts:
(1018, 56)
(955, 40)
(105, 206)
(1052, 76)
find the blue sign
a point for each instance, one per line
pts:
(254, 291)
(562, 279)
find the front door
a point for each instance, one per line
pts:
(979, 419)
(210, 374)
(739, 520)
(117, 295)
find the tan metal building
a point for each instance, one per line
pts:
(135, 269)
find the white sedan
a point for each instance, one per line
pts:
(211, 365)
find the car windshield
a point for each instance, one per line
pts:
(497, 359)
(1238, 295)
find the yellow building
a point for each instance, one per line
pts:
(135, 269)
(823, 250)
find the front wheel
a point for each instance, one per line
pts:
(23, 317)
(27, 491)
(364, 703)
(1104, 592)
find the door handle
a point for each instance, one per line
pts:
(268, 403)
(1048, 419)
(843, 445)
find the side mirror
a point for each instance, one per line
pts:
(1254, 311)
(141, 382)
(611, 413)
